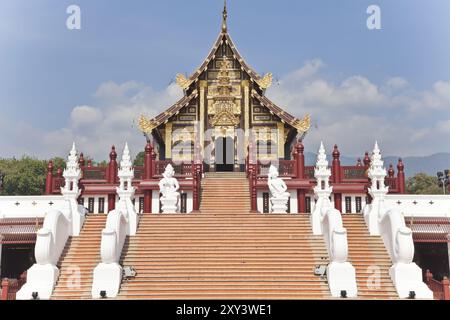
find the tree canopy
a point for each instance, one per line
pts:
(139, 160)
(423, 184)
(26, 176)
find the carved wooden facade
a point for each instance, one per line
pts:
(224, 108)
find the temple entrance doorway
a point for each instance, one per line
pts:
(224, 148)
(15, 259)
(434, 257)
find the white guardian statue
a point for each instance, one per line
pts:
(279, 197)
(168, 187)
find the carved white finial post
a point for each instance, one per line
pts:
(126, 191)
(322, 191)
(71, 192)
(378, 191)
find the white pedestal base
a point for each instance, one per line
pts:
(279, 205)
(408, 277)
(342, 276)
(107, 277)
(40, 279)
(169, 205)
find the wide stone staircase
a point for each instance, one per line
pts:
(78, 260)
(224, 251)
(370, 258)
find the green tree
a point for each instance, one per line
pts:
(23, 177)
(139, 160)
(59, 163)
(423, 184)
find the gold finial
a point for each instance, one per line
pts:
(225, 16)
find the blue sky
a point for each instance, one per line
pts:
(58, 85)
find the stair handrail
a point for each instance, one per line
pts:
(341, 274)
(397, 236)
(50, 242)
(327, 221)
(51, 239)
(405, 274)
(335, 235)
(390, 225)
(108, 273)
(120, 222)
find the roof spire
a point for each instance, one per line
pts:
(225, 16)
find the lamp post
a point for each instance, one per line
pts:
(444, 179)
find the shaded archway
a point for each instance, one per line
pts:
(224, 154)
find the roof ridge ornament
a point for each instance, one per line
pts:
(266, 81)
(225, 16)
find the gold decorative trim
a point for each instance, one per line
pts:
(182, 81)
(302, 125)
(146, 125)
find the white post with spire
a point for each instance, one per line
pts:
(126, 191)
(121, 222)
(72, 175)
(378, 190)
(51, 239)
(322, 191)
(327, 221)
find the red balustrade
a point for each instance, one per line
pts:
(286, 168)
(441, 289)
(183, 169)
(11, 286)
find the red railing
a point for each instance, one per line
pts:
(286, 168)
(11, 286)
(95, 173)
(309, 172)
(139, 172)
(441, 289)
(183, 169)
(353, 173)
(57, 184)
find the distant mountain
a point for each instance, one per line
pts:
(413, 165)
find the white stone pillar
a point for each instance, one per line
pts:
(126, 191)
(72, 210)
(322, 191)
(374, 211)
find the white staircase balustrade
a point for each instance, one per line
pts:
(108, 273)
(51, 239)
(327, 221)
(397, 238)
(322, 190)
(405, 274)
(50, 243)
(120, 222)
(341, 274)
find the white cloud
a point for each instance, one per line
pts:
(111, 121)
(355, 112)
(85, 116)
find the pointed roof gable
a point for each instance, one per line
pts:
(302, 125)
